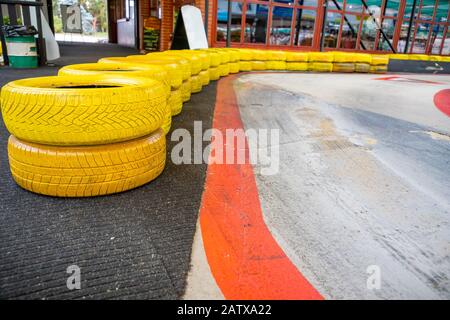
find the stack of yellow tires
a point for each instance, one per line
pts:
(79, 136)
(246, 57)
(362, 62)
(343, 62)
(126, 69)
(177, 68)
(320, 61)
(297, 61)
(99, 128)
(379, 63)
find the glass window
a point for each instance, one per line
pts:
(154, 8)
(222, 18)
(236, 21)
(304, 27)
(371, 3)
(350, 32)
(129, 9)
(404, 35)
(310, 3)
(280, 31)
(353, 6)
(427, 10)
(392, 8)
(374, 7)
(256, 23)
(446, 48)
(388, 27)
(442, 11)
(284, 1)
(368, 33)
(332, 27)
(335, 4)
(420, 41)
(408, 9)
(436, 38)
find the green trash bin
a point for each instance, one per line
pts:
(22, 52)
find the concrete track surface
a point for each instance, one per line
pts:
(364, 179)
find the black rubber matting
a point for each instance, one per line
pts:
(133, 245)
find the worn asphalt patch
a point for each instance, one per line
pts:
(133, 245)
(356, 191)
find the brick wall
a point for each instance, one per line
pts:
(166, 23)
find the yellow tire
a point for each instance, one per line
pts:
(87, 170)
(261, 55)
(115, 60)
(320, 66)
(167, 118)
(176, 101)
(234, 67)
(343, 67)
(297, 66)
(292, 56)
(277, 55)
(173, 68)
(245, 65)
(214, 57)
(214, 74)
(204, 77)
(196, 61)
(224, 69)
(343, 57)
(362, 58)
(114, 69)
(275, 65)
(399, 56)
(82, 110)
(320, 57)
(362, 67)
(419, 57)
(196, 84)
(378, 69)
(186, 90)
(246, 55)
(184, 63)
(435, 58)
(224, 55)
(258, 65)
(234, 55)
(380, 60)
(204, 57)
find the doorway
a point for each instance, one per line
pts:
(123, 22)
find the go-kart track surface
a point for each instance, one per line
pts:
(363, 181)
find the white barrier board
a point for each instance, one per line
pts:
(195, 29)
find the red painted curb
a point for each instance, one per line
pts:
(406, 79)
(442, 101)
(245, 259)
